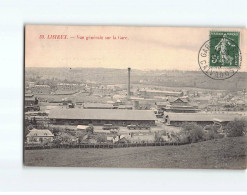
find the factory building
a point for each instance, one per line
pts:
(41, 89)
(68, 87)
(117, 117)
(150, 93)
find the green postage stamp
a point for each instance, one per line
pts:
(224, 49)
(220, 57)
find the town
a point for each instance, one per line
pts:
(125, 109)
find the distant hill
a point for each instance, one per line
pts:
(195, 79)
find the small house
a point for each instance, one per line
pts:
(38, 136)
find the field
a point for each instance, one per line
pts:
(226, 153)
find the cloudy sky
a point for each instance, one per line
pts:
(145, 47)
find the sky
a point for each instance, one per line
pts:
(145, 48)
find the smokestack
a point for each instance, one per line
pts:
(129, 82)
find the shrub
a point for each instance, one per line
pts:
(157, 137)
(213, 135)
(56, 142)
(196, 135)
(193, 132)
(183, 138)
(211, 132)
(236, 128)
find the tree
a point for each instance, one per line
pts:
(33, 122)
(56, 131)
(236, 128)
(196, 135)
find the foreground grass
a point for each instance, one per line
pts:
(226, 153)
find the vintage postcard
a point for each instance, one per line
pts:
(135, 97)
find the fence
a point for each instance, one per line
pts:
(124, 145)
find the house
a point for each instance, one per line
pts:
(181, 105)
(38, 136)
(30, 100)
(179, 101)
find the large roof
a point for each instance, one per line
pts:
(190, 117)
(42, 86)
(101, 114)
(97, 105)
(29, 98)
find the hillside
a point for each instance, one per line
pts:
(175, 78)
(226, 153)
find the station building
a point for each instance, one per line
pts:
(119, 117)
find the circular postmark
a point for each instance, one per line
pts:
(219, 58)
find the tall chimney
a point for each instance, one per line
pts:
(129, 82)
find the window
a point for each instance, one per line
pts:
(45, 133)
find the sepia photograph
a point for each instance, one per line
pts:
(127, 96)
(135, 97)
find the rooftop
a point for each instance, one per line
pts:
(201, 117)
(40, 132)
(28, 95)
(179, 100)
(101, 114)
(97, 105)
(160, 91)
(29, 98)
(42, 86)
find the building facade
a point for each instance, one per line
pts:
(39, 136)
